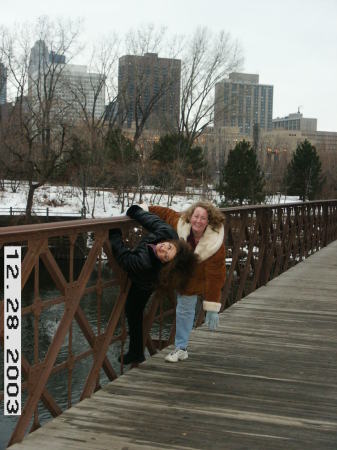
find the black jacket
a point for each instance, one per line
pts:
(141, 264)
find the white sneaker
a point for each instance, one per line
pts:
(177, 355)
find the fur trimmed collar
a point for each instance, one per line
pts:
(210, 242)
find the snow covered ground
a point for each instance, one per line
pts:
(65, 200)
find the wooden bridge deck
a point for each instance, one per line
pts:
(267, 380)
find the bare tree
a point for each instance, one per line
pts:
(274, 153)
(3, 81)
(149, 81)
(123, 163)
(207, 60)
(94, 119)
(98, 87)
(329, 168)
(35, 136)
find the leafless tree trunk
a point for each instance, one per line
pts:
(149, 86)
(208, 59)
(94, 117)
(36, 128)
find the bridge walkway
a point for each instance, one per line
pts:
(265, 380)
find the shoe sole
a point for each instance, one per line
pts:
(175, 361)
(134, 361)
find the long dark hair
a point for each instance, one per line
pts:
(176, 273)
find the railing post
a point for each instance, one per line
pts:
(265, 224)
(326, 223)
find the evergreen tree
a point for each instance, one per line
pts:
(119, 148)
(241, 179)
(304, 172)
(175, 148)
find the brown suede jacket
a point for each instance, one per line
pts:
(210, 275)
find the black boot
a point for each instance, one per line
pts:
(129, 358)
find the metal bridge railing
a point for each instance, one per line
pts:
(11, 211)
(261, 243)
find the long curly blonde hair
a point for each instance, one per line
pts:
(215, 216)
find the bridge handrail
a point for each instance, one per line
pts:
(12, 211)
(261, 242)
(9, 233)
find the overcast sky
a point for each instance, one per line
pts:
(291, 44)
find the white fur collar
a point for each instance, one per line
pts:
(210, 242)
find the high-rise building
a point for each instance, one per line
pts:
(3, 84)
(240, 101)
(73, 87)
(79, 89)
(56, 58)
(149, 87)
(295, 121)
(39, 56)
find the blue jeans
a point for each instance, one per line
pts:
(185, 313)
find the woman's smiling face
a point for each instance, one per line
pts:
(199, 221)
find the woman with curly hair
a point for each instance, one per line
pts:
(202, 226)
(161, 261)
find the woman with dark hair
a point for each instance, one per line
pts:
(159, 262)
(202, 226)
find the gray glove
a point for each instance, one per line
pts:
(212, 320)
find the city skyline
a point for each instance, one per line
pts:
(290, 45)
(151, 74)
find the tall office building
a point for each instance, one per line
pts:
(240, 101)
(39, 56)
(56, 58)
(80, 89)
(73, 87)
(3, 84)
(149, 84)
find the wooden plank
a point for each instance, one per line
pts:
(265, 380)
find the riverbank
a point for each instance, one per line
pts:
(68, 200)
